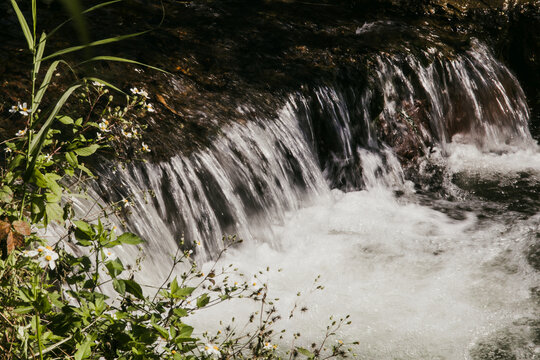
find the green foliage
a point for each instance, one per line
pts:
(73, 298)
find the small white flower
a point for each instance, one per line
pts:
(109, 255)
(104, 125)
(136, 91)
(39, 251)
(14, 109)
(150, 108)
(126, 203)
(269, 346)
(48, 157)
(145, 148)
(97, 84)
(21, 132)
(8, 150)
(99, 136)
(145, 94)
(24, 110)
(127, 134)
(198, 243)
(211, 350)
(29, 253)
(48, 258)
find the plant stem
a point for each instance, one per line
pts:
(38, 328)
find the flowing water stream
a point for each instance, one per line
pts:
(436, 269)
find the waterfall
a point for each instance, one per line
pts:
(249, 176)
(252, 174)
(321, 188)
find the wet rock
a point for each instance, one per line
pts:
(223, 54)
(517, 341)
(533, 254)
(408, 134)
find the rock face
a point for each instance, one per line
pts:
(225, 54)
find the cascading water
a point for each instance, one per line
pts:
(423, 276)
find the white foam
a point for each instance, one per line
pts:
(417, 284)
(510, 160)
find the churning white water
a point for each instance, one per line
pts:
(417, 283)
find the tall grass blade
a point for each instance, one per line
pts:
(39, 138)
(24, 25)
(39, 53)
(119, 59)
(105, 83)
(45, 84)
(94, 43)
(84, 12)
(34, 17)
(75, 9)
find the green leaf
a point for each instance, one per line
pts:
(119, 59)
(182, 339)
(174, 285)
(84, 227)
(54, 212)
(203, 300)
(119, 286)
(16, 162)
(180, 312)
(305, 352)
(38, 208)
(24, 310)
(183, 292)
(87, 151)
(185, 331)
(85, 170)
(43, 305)
(84, 349)
(130, 239)
(24, 25)
(39, 138)
(115, 268)
(45, 84)
(162, 331)
(39, 179)
(6, 195)
(71, 158)
(93, 43)
(134, 288)
(52, 184)
(26, 295)
(53, 198)
(65, 120)
(39, 54)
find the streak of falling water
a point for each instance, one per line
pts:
(419, 284)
